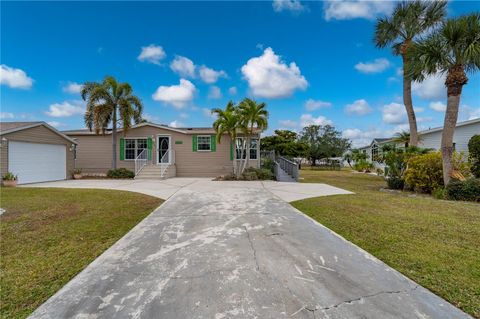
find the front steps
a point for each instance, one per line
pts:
(153, 171)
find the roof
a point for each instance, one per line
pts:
(10, 127)
(183, 130)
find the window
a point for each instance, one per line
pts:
(253, 148)
(133, 147)
(203, 143)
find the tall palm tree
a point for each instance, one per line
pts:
(108, 103)
(409, 20)
(227, 122)
(454, 50)
(253, 116)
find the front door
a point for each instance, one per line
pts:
(163, 147)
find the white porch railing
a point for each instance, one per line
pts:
(167, 159)
(140, 161)
(289, 167)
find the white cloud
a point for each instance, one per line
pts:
(214, 93)
(361, 138)
(345, 10)
(268, 76)
(469, 113)
(208, 113)
(394, 113)
(210, 75)
(294, 6)
(72, 87)
(6, 115)
(150, 118)
(288, 123)
(14, 78)
(55, 124)
(432, 88)
(66, 109)
(438, 106)
(232, 90)
(176, 123)
(176, 95)
(183, 115)
(376, 66)
(359, 107)
(312, 105)
(308, 119)
(183, 66)
(152, 53)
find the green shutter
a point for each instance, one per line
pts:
(213, 143)
(122, 149)
(231, 151)
(149, 147)
(194, 143)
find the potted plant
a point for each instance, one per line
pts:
(77, 173)
(9, 180)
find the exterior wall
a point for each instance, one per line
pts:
(460, 138)
(39, 134)
(94, 153)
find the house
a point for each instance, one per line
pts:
(159, 151)
(35, 152)
(430, 138)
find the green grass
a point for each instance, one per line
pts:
(434, 242)
(50, 235)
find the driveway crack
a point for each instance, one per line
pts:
(253, 248)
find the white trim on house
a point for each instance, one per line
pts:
(209, 143)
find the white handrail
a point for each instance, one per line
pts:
(167, 159)
(140, 161)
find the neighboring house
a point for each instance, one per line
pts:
(431, 138)
(167, 151)
(35, 152)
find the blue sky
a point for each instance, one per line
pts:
(311, 62)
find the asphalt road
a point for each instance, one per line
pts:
(232, 250)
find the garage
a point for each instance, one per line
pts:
(35, 152)
(36, 162)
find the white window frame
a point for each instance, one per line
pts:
(256, 149)
(136, 146)
(247, 151)
(209, 143)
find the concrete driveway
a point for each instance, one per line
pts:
(235, 250)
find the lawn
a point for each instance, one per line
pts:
(434, 242)
(50, 235)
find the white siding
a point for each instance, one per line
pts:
(461, 137)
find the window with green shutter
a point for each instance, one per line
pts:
(213, 143)
(149, 147)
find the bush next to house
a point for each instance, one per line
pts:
(120, 173)
(468, 190)
(394, 182)
(474, 155)
(363, 165)
(253, 174)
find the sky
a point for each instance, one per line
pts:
(310, 62)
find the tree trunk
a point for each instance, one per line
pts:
(114, 139)
(455, 81)
(407, 101)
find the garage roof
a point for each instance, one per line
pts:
(10, 127)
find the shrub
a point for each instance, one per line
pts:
(363, 166)
(439, 193)
(120, 173)
(424, 172)
(9, 177)
(468, 190)
(253, 174)
(395, 182)
(474, 154)
(268, 164)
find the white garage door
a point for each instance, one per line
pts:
(34, 162)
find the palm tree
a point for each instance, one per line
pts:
(409, 20)
(454, 50)
(402, 138)
(110, 102)
(253, 116)
(227, 122)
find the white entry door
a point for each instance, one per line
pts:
(34, 162)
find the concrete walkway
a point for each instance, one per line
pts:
(220, 250)
(166, 188)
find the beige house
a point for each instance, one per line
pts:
(35, 152)
(159, 151)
